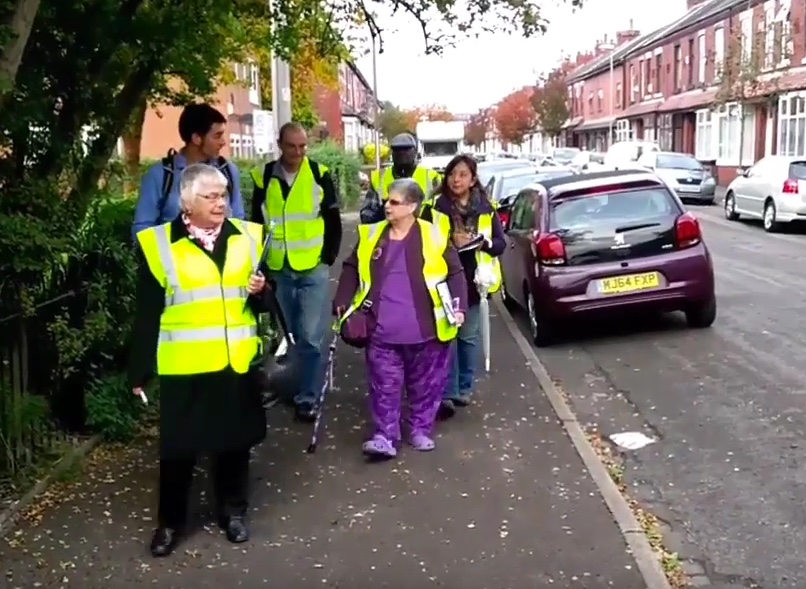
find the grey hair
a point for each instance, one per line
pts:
(193, 178)
(289, 127)
(409, 190)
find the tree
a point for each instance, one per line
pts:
(434, 112)
(550, 102)
(515, 117)
(392, 121)
(443, 22)
(477, 127)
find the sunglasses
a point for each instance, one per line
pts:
(396, 203)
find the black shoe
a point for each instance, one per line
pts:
(164, 542)
(235, 527)
(447, 409)
(305, 412)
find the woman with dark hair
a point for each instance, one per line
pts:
(391, 293)
(465, 213)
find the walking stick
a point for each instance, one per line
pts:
(326, 386)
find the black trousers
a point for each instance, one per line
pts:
(230, 475)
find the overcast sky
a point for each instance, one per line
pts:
(480, 71)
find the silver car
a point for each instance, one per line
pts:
(773, 190)
(683, 173)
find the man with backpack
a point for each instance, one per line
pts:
(297, 195)
(202, 129)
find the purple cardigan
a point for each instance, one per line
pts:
(348, 281)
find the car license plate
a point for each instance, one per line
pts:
(682, 188)
(629, 283)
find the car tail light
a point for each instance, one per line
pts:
(791, 186)
(504, 216)
(687, 231)
(550, 249)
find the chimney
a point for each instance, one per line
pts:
(692, 3)
(628, 35)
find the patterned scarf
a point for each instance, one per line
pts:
(205, 237)
(465, 217)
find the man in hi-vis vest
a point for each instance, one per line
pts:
(404, 165)
(299, 197)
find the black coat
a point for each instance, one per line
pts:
(202, 413)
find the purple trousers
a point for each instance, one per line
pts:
(421, 369)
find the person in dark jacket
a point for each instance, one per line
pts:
(467, 214)
(198, 296)
(397, 265)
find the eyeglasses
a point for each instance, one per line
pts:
(396, 203)
(214, 196)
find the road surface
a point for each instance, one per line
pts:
(727, 405)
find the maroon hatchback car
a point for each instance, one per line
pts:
(603, 243)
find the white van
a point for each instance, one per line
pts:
(624, 155)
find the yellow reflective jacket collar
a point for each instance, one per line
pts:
(180, 231)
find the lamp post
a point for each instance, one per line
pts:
(280, 88)
(376, 134)
(611, 47)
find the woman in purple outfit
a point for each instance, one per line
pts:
(394, 274)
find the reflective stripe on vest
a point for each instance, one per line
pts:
(205, 325)
(483, 259)
(299, 229)
(435, 270)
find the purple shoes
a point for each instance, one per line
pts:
(421, 443)
(379, 447)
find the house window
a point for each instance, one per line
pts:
(642, 73)
(690, 62)
(648, 76)
(735, 138)
(769, 35)
(746, 24)
(703, 58)
(623, 130)
(665, 132)
(658, 73)
(619, 95)
(235, 145)
(719, 51)
(599, 100)
(783, 33)
(633, 84)
(678, 68)
(704, 135)
(590, 103)
(792, 124)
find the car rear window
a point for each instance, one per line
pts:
(678, 162)
(513, 184)
(612, 208)
(797, 170)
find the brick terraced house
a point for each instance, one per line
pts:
(671, 86)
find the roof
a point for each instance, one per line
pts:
(558, 185)
(698, 14)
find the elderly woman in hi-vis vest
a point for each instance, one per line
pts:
(198, 293)
(405, 275)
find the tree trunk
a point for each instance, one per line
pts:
(132, 139)
(20, 30)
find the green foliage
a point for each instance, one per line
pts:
(392, 121)
(345, 167)
(113, 409)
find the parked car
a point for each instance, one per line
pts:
(624, 155)
(773, 190)
(587, 161)
(564, 155)
(683, 173)
(504, 186)
(601, 244)
(486, 170)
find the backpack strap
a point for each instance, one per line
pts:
(167, 180)
(317, 173)
(223, 166)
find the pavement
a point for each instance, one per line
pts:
(504, 502)
(725, 406)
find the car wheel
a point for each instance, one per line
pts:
(702, 315)
(770, 214)
(730, 207)
(541, 329)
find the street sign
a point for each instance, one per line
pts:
(263, 131)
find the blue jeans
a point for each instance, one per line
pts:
(302, 297)
(465, 356)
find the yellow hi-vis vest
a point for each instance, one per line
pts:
(485, 229)
(425, 177)
(205, 325)
(299, 230)
(435, 270)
